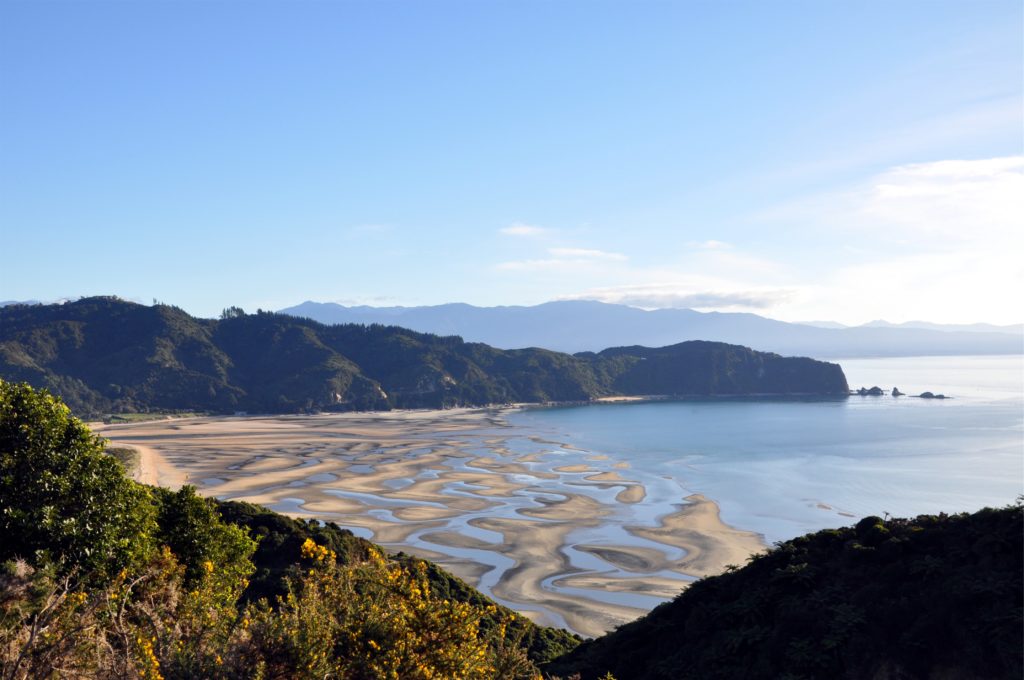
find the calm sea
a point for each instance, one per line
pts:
(784, 468)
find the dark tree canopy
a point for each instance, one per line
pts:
(61, 496)
(190, 526)
(937, 596)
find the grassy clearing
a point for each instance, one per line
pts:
(142, 417)
(129, 458)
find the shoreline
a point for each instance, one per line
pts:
(564, 536)
(154, 470)
(496, 407)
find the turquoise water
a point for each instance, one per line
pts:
(783, 468)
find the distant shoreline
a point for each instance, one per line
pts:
(496, 407)
(502, 407)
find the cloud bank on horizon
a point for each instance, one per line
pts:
(932, 237)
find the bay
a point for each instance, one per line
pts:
(575, 516)
(783, 468)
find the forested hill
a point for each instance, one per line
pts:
(106, 355)
(938, 596)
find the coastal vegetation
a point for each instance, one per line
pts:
(937, 596)
(108, 356)
(101, 577)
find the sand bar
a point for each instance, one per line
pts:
(567, 536)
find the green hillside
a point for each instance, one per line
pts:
(931, 597)
(105, 355)
(101, 577)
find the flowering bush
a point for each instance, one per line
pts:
(377, 619)
(158, 594)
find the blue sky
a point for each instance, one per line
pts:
(802, 160)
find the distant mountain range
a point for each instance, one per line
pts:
(577, 326)
(106, 355)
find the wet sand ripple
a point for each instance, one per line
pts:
(568, 537)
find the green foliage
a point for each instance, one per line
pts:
(366, 620)
(108, 356)
(61, 497)
(107, 605)
(142, 624)
(195, 533)
(281, 538)
(374, 619)
(129, 458)
(148, 416)
(936, 596)
(715, 368)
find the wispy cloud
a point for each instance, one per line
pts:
(531, 265)
(564, 259)
(586, 254)
(939, 240)
(957, 199)
(520, 229)
(710, 244)
(949, 202)
(918, 137)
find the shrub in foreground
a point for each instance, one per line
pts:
(103, 578)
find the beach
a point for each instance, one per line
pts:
(564, 536)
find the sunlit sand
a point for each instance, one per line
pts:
(553, 532)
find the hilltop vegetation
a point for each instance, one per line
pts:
(932, 597)
(101, 577)
(104, 355)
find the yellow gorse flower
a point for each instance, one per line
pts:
(311, 551)
(150, 669)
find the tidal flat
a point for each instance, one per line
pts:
(565, 536)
